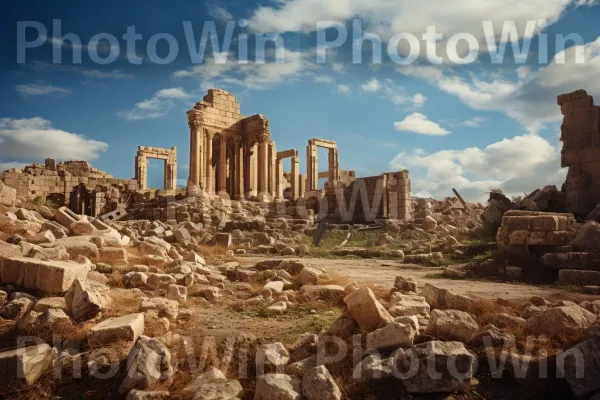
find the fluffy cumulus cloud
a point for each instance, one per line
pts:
(387, 17)
(344, 89)
(156, 106)
(35, 138)
(255, 76)
(531, 97)
(516, 165)
(38, 89)
(419, 123)
(390, 91)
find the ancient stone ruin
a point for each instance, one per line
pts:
(170, 168)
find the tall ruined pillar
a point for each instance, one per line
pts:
(263, 169)
(295, 178)
(273, 171)
(209, 163)
(312, 169)
(171, 170)
(279, 179)
(195, 152)
(253, 178)
(302, 179)
(222, 185)
(334, 166)
(141, 171)
(239, 169)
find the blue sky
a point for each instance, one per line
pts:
(473, 127)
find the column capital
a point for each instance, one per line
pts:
(194, 124)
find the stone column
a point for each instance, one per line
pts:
(312, 169)
(334, 170)
(171, 170)
(222, 184)
(239, 169)
(263, 168)
(253, 178)
(302, 185)
(141, 171)
(209, 162)
(295, 178)
(273, 192)
(279, 179)
(193, 178)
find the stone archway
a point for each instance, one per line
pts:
(170, 159)
(312, 164)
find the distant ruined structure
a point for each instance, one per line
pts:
(580, 134)
(231, 156)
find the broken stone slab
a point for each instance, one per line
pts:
(443, 299)
(454, 367)
(278, 387)
(588, 238)
(454, 324)
(16, 308)
(578, 277)
(308, 276)
(344, 327)
(572, 260)
(272, 355)
(148, 363)
(318, 384)
(405, 284)
(323, 292)
(8, 195)
(43, 237)
(82, 228)
(25, 365)
(407, 305)
(568, 320)
(48, 303)
(366, 310)
(128, 327)
(391, 336)
(177, 292)
(165, 307)
(86, 299)
(50, 319)
(113, 255)
(65, 217)
(45, 276)
(223, 239)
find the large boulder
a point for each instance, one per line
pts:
(452, 362)
(453, 324)
(366, 310)
(148, 363)
(588, 238)
(564, 320)
(86, 299)
(579, 365)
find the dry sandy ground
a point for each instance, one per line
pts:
(384, 272)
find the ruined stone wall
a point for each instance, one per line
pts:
(59, 184)
(580, 134)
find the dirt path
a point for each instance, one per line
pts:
(384, 272)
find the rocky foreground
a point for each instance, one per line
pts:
(111, 311)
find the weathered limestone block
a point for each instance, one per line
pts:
(579, 365)
(453, 323)
(568, 320)
(50, 319)
(113, 255)
(46, 276)
(278, 387)
(148, 363)
(223, 239)
(407, 305)
(16, 308)
(212, 384)
(272, 354)
(8, 195)
(366, 310)
(81, 228)
(43, 237)
(25, 365)
(318, 384)
(588, 238)
(48, 303)
(391, 336)
(86, 299)
(128, 327)
(308, 276)
(165, 307)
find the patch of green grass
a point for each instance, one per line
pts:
(483, 257)
(435, 275)
(40, 201)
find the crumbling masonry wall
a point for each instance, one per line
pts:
(580, 134)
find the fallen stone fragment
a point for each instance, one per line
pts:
(408, 305)
(454, 324)
(148, 363)
(278, 387)
(86, 299)
(128, 327)
(148, 395)
(165, 307)
(16, 309)
(81, 228)
(454, 366)
(344, 327)
(212, 385)
(25, 365)
(272, 355)
(366, 310)
(318, 384)
(567, 320)
(391, 336)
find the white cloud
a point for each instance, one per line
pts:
(156, 106)
(219, 13)
(37, 89)
(344, 89)
(337, 66)
(88, 73)
(517, 165)
(418, 123)
(323, 79)
(473, 122)
(252, 75)
(372, 85)
(530, 100)
(35, 138)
